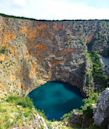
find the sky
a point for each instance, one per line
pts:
(57, 9)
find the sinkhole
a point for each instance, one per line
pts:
(56, 98)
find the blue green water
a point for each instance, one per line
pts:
(56, 99)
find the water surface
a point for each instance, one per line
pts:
(56, 99)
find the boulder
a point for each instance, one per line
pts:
(101, 113)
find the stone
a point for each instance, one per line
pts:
(36, 51)
(101, 113)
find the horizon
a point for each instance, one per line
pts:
(56, 9)
(50, 20)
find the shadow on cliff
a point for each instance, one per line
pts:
(74, 78)
(25, 80)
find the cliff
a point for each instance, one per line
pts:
(101, 113)
(33, 52)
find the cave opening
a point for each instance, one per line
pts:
(56, 98)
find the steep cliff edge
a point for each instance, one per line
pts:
(101, 113)
(33, 52)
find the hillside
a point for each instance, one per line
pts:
(33, 52)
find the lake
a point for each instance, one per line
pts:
(56, 98)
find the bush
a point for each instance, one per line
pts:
(100, 78)
(88, 112)
(89, 102)
(3, 50)
(21, 101)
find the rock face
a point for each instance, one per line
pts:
(101, 114)
(33, 52)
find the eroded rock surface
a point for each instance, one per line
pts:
(101, 114)
(33, 52)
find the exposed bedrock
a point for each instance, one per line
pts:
(33, 52)
(101, 114)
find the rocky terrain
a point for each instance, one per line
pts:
(101, 115)
(19, 113)
(33, 52)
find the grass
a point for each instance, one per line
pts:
(21, 101)
(19, 112)
(16, 112)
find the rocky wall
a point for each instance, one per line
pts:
(33, 52)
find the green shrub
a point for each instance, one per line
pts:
(88, 112)
(100, 78)
(3, 50)
(21, 101)
(83, 118)
(89, 102)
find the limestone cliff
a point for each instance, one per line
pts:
(33, 52)
(101, 113)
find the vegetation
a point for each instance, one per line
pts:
(3, 50)
(17, 112)
(25, 18)
(83, 118)
(18, 17)
(98, 74)
(20, 112)
(95, 75)
(89, 103)
(21, 101)
(89, 77)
